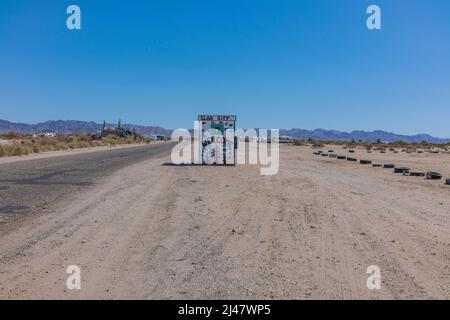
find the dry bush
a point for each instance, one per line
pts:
(36, 148)
(10, 135)
(84, 138)
(46, 141)
(16, 149)
(67, 139)
(298, 143)
(83, 144)
(317, 145)
(25, 144)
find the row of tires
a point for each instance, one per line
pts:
(401, 170)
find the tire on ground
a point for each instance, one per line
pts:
(401, 169)
(433, 175)
(417, 174)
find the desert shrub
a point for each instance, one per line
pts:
(317, 144)
(83, 144)
(367, 145)
(298, 143)
(111, 139)
(25, 144)
(69, 139)
(36, 148)
(46, 141)
(72, 145)
(17, 150)
(10, 135)
(84, 137)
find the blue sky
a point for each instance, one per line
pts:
(275, 64)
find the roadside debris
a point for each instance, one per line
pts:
(332, 155)
(430, 175)
(433, 175)
(417, 174)
(401, 169)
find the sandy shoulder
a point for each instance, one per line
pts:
(50, 154)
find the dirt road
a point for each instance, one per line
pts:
(152, 230)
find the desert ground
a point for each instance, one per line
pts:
(151, 230)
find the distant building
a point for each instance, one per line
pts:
(159, 137)
(45, 133)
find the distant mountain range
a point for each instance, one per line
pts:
(322, 134)
(72, 126)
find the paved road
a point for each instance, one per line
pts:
(27, 186)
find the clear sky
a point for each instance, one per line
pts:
(275, 64)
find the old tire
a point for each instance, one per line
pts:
(433, 175)
(417, 174)
(401, 169)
